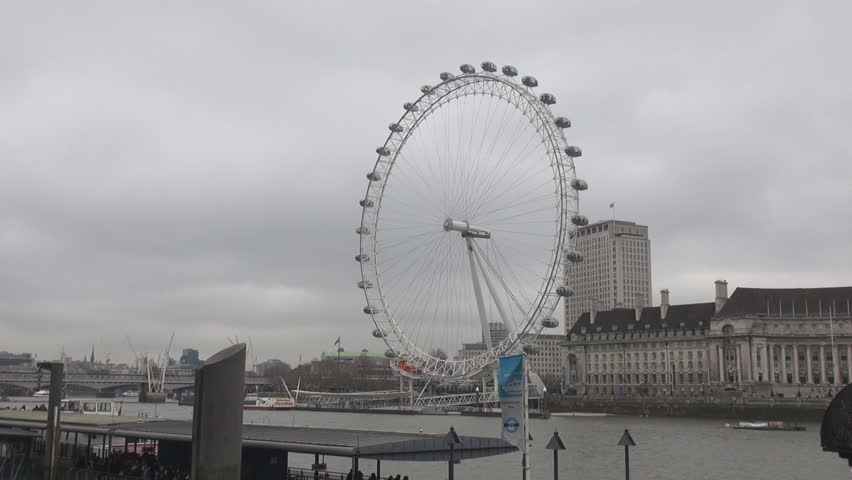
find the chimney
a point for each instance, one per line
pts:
(664, 303)
(721, 294)
(640, 304)
(593, 310)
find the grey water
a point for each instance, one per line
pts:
(667, 448)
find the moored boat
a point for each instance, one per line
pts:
(255, 402)
(775, 426)
(90, 407)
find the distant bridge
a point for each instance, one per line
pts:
(109, 382)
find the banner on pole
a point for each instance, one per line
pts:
(511, 383)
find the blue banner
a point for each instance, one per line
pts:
(511, 383)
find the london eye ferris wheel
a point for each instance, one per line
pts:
(465, 235)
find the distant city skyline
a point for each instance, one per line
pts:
(202, 175)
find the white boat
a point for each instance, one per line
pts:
(90, 407)
(42, 393)
(255, 402)
(776, 426)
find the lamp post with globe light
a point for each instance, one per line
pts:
(478, 409)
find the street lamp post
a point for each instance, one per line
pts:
(478, 408)
(544, 400)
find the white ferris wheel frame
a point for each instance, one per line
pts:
(522, 97)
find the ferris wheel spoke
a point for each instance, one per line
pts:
(495, 176)
(493, 181)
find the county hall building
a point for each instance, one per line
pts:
(761, 341)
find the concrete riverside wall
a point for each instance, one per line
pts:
(731, 408)
(217, 420)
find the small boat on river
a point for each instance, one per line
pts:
(268, 401)
(774, 426)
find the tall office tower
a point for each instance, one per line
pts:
(615, 271)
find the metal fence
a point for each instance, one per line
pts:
(305, 474)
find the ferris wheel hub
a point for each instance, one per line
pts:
(466, 229)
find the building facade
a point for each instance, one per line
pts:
(615, 271)
(547, 363)
(638, 351)
(763, 342)
(790, 342)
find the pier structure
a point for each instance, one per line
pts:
(266, 448)
(112, 382)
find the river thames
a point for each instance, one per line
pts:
(667, 448)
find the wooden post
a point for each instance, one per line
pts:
(452, 440)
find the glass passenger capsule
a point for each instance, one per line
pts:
(411, 107)
(426, 88)
(510, 71)
(395, 127)
(529, 81)
(489, 67)
(579, 185)
(573, 151)
(362, 230)
(579, 220)
(383, 151)
(364, 285)
(574, 256)
(550, 322)
(366, 203)
(378, 333)
(465, 68)
(547, 98)
(363, 258)
(374, 176)
(563, 122)
(564, 291)
(447, 76)
(370, 310)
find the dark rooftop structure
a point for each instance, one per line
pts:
(788, 301)
(693, 316)
(324, 441)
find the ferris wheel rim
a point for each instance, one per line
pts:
(551, 133)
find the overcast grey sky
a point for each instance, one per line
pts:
(197, 168)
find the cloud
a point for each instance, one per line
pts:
(192, 169)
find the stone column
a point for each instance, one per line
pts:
(783, 364)
(835, 363)
(796, 364)
(822, 364)
(764, 360)
(720, 355)
(753, 371)
(739, 364)
(770, 348)
(849, 362)
(809, 365)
